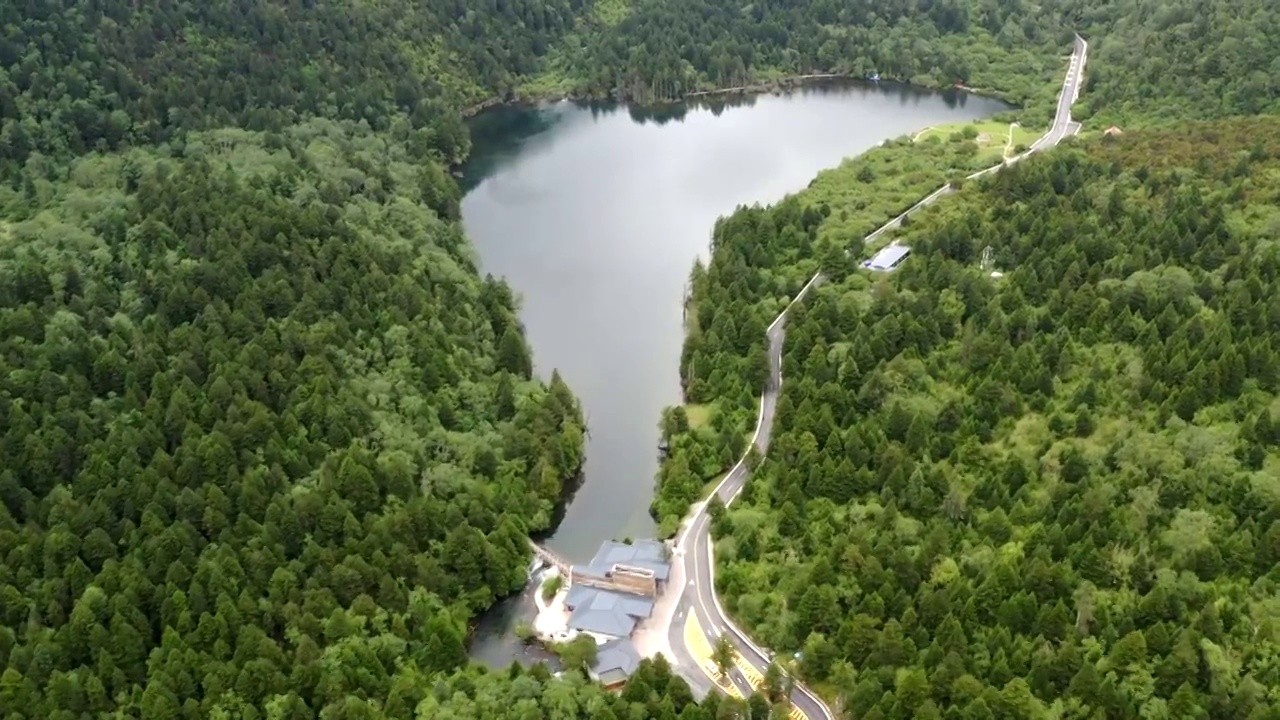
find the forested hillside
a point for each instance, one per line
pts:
(760, 257)
(99, 75)
(269, 441)
(1150, 60)
(268, 438)
(1180, 58)
(1049, 492)
(665, 48)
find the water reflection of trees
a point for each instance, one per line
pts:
(501, 131)
(663, 113)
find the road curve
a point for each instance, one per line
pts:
(694, 548)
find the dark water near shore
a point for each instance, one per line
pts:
(595, 213)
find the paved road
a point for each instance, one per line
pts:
(695, 571)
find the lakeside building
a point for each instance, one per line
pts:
(610, 596)
(615, 661)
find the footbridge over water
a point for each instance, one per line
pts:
(628, 577)
(550, 558)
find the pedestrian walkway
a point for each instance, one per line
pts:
(652, 636)
(700, 648)
(552, 620)
(551, 559)
(753, 676)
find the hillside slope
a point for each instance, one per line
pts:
(1149, 61)
(85, 76)
(1179, 59)
(1053, 491)
(270, 440)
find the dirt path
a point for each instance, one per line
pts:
(1008, 146)
(917, 136)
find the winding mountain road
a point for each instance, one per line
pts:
(694, 564)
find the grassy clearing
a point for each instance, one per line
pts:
(992, 137)
(551, 82)
(699, 415)
(865, 191)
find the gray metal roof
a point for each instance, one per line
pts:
(888, 257)
(616, 656)
(647, 554)
(609, 678)
(604, 611)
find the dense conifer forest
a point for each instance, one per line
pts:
(658, 49)
(1051, 491)
(1177, 59)
(1151, 60)
(268, 437)
(270, 442)
(97, 75)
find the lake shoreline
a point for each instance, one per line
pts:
(700, 98)
(518, 98)
(595, 223)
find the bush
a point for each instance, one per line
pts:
(577, 654)
(552, 586)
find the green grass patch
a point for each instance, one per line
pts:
(699, 414)
(552, 586)
(994, 138)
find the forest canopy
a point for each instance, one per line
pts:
(269, 438)
(1149, 60)
(77, 77)
(1051, 491)
(270, 441)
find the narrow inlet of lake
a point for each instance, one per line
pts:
(595, 214)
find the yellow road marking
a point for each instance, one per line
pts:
(753, 676)
(700, 648)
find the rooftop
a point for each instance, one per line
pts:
(646, 554)
(605, 612)
(615, 661)
(888, 257)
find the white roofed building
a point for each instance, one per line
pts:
(888, 258)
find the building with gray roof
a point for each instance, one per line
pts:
(610, 595)
(615, 661)
(648, 555)
(605, 612)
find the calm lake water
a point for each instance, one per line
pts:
(595, 214)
